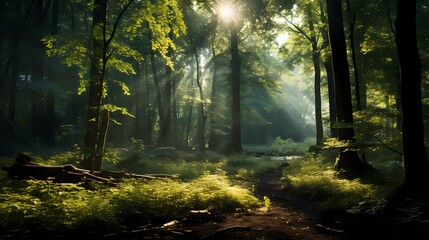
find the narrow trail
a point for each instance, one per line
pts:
(289, 217)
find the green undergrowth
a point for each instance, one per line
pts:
(315, 179)
(33, 204)
(206, 181)
(188, 165)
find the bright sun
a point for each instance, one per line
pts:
(227, 12)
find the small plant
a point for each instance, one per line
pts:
(267, 203)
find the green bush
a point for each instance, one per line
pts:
(316, 179)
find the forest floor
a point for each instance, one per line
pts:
(289, 217)
(293, 217)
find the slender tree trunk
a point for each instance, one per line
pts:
(12, 94)
(352, 21)
(138, 111)
(174, 115)
(235, 75)
(95, 91)
(317, 77)
(201, 114)
(102, 138)
(189, 119)
(317, 96)
(214, 138)
(161, 139)
(37, 75)
(415, 159)
(167, 106)
(331, 95)
(149, 109)
(50, 97)
(327, 63)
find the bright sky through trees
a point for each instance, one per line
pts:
(226, 12)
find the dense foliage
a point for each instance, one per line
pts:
(213, 94)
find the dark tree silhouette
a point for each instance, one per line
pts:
(235, 78)
(348, 160)
(416, 167)
(96, 128)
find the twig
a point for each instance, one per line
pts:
(227, 229)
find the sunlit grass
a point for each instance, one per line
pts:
(318, 181)
(206, 181)
(249, 166)
(45, 205)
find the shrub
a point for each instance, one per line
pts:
(315, 179)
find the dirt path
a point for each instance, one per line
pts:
(289, 218)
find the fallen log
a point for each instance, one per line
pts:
(61, 173)
(24, 168)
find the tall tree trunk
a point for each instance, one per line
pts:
(348, 159)
(317, 77)
(161, 139)
(415, 159)
(317, 96)
(201, 114)
(327, 63)
(137, 133)
(37, 75)
(95, 90)
(214, 136)
(331, 96)
(50, 97)
(352, 21)
(189, 119)
(12, 94)
(149, 109)
(14, 61)
(167, 106)
(174, 115)
(235, 79)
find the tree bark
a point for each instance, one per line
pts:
(348, 159)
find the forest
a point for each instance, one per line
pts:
(214, 119)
